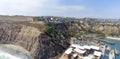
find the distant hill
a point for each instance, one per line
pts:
(16, 18)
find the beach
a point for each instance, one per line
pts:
(115, 38)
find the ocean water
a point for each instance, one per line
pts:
(4, 55)
(113, 46)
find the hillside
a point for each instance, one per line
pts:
(30, 36)
(16, 18)
(48, 38)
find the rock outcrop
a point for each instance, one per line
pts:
(32, 39)
(21, 35)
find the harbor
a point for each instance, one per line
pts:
(85, 49)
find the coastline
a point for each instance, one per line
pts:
(114, 38)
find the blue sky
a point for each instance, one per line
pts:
(66, 8)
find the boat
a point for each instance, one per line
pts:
(116, 51)
(108, 48)
(111, 54)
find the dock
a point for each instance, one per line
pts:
(106, 41)
(84, 52)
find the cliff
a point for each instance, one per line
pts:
(31, 37)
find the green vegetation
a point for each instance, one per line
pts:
(57, 31)
(50, 31)
(36, 19)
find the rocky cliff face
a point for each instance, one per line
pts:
(21, 35)
(32, 39)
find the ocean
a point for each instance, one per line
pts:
(113, 46)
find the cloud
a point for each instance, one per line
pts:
(73, 8)
(12, 6)
(37, 7)
(64, 10)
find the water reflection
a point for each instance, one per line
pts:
(113, 46)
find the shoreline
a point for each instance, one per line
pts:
(114, 38)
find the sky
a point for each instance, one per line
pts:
(66, 8)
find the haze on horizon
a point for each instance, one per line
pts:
(69, 8)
